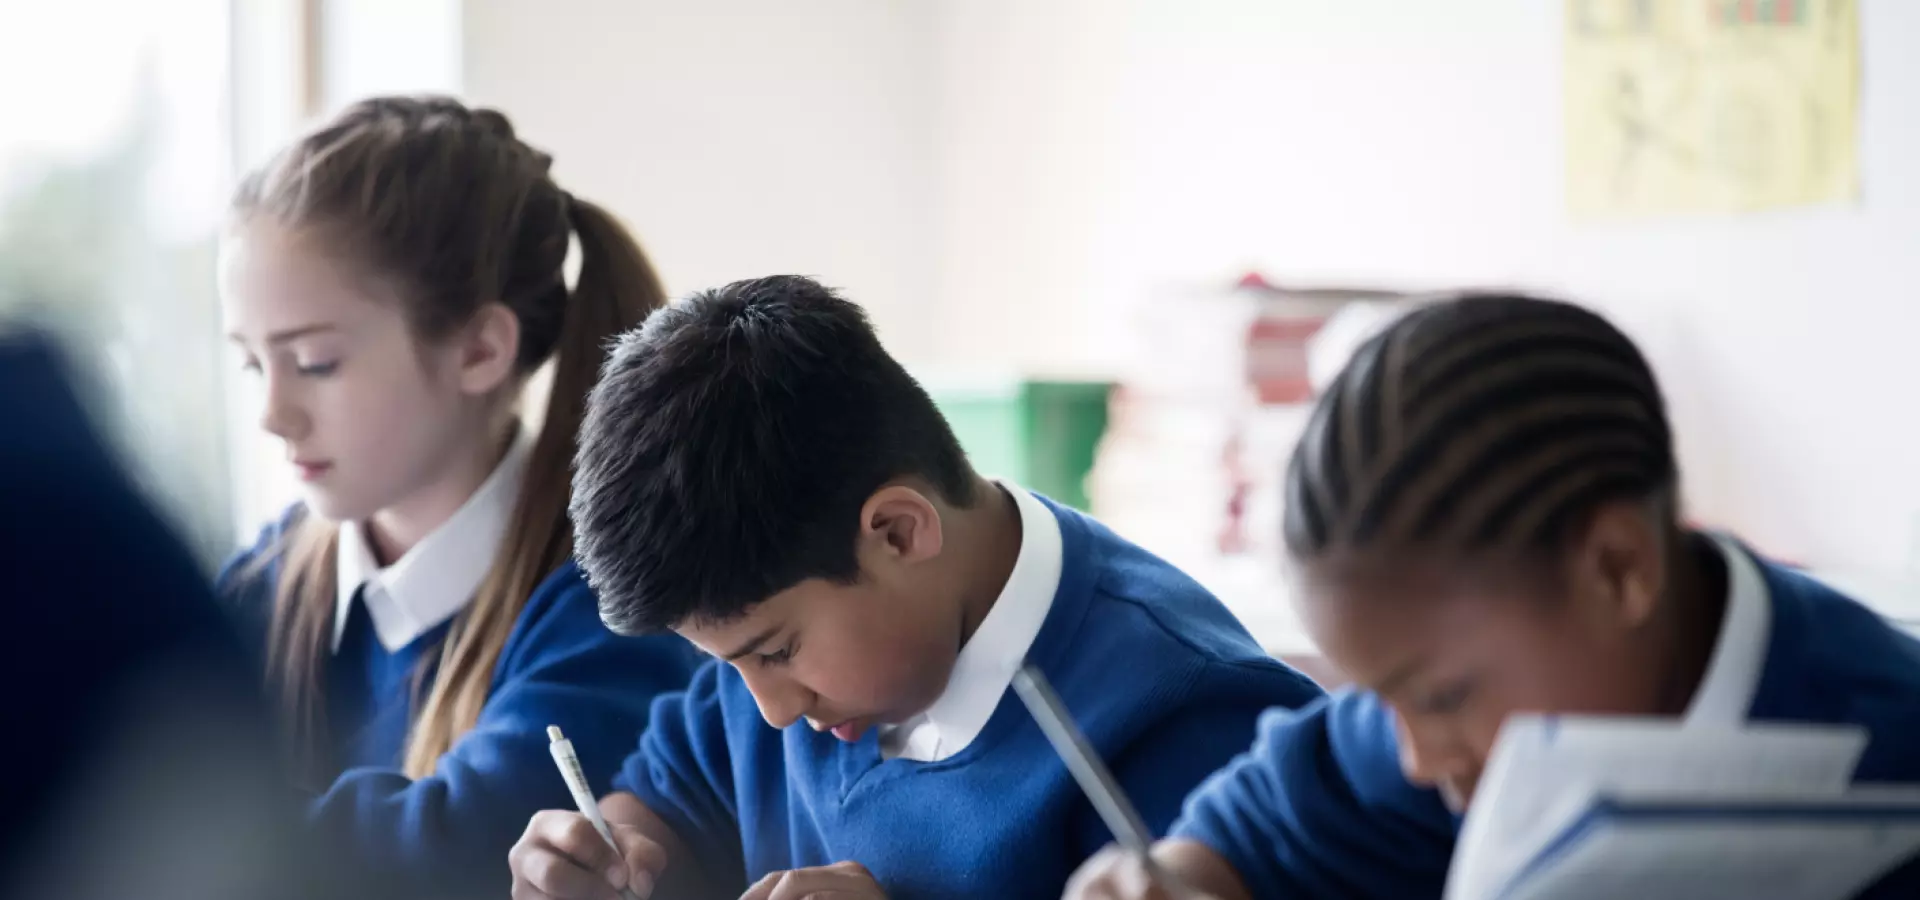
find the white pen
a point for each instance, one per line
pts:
(1095, 780)
(583, 797)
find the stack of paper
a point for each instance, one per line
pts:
(1652, 809)
(1211, 396)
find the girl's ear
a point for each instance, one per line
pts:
(1621, 565)
(488, 347)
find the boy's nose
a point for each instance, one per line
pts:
(782, 702)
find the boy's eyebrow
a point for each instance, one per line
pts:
(753, 644)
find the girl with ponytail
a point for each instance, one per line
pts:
(394, 279)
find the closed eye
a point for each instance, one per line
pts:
(779, 657)
(1447, 700)
(319, 370)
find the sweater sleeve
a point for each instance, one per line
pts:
(1174, 756)
(683, 772)
(561, 667)
(1318, 808)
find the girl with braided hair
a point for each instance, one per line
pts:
(1483, 518)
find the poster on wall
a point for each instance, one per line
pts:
(1710, 106)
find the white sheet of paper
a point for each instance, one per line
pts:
(1545, 771)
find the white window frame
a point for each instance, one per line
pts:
(276, 89)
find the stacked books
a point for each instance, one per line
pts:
(1207, 405)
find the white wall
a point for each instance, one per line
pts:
(383, 46)
(738, 137)
(1024, 97)
(1416, 144)
(999, 179)
(1420, 143)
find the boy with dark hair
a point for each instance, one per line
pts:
(758, 475)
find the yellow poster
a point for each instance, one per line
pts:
(1710, 106)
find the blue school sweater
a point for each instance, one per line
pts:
(1165, 682)
(1319, 807)
(560, 666)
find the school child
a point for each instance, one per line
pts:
(758, 475)
(1484, 516)
(393, 279)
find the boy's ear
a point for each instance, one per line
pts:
(904, 521)
(489, 346)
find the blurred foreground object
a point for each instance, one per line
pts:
(139, 762)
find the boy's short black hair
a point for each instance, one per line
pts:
(729, 446)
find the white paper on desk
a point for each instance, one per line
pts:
(1545, 770)
(1672, 847)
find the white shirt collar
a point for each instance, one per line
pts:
(436, 579)
(1733, 672)
(986, 665)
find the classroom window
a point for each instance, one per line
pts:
(114, 164)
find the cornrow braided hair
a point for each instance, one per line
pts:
(1480, 422)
